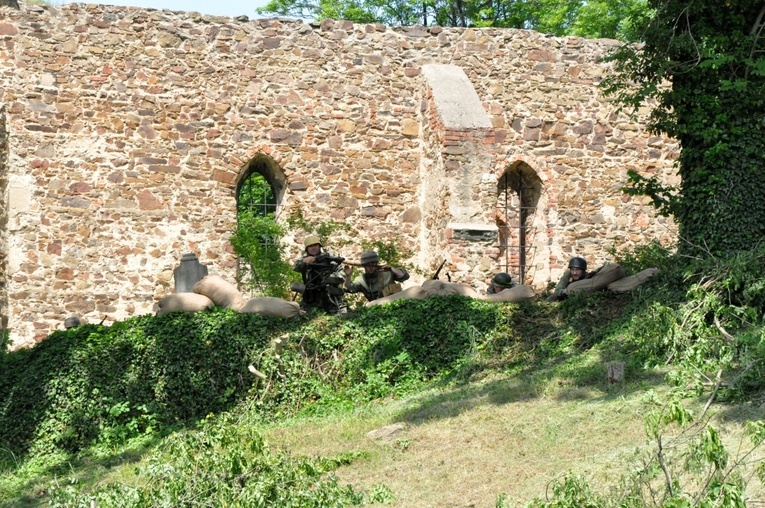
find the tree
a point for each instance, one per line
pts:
(703, 63)
(591, 18)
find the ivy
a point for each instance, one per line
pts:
(702, 63)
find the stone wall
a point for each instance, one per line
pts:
(129, 129)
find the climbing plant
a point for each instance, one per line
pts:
(257, 240)
(703, 66)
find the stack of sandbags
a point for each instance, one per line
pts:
(412, 293)
(633, 281)
(441, 288)
(220, 291)
(188, 302)
(270, 306)
(608, 274)
(518, 293)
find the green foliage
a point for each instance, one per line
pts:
(255, 195)
(702, 64)
(94, 384)
(94, 389)
(610, 19)
(648, 255)
(327, 230)
(107, 385)
(687, 465)
(602, 18)
(257, 242)
(664, 198)
(5, 340)
(223, 463)
(572, 492)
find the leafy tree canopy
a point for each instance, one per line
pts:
(593, 18)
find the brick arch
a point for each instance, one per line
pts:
(519, 189)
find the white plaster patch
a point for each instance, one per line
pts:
(19, 200)
(455, 97)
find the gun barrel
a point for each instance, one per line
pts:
(438, 272)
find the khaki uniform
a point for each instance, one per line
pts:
(565, 280)
(382, 283)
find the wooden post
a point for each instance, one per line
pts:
(615, 372)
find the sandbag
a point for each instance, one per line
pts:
(189, 302)
(518, 293)
(605, 276)
(633, 281)
(441, 288)
(270, 306)
(220, 291)
(414, 293)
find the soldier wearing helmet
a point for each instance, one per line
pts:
(376, 281)
(322, 276)
(500, 282)
(577, 270)
(71, 322)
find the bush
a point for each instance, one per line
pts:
(223, 463)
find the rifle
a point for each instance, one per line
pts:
(438, 272)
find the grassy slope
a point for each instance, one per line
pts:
(506, 425)
(464, 446)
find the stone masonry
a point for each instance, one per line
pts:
(124, 133)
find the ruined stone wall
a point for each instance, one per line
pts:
(3, 222)
(128, 130)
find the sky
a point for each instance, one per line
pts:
(216, 7)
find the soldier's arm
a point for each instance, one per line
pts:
(353, 287)
(560, 288)
(399, 274)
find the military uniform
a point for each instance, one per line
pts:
(318, 292)
(376, 285)
(566, 279)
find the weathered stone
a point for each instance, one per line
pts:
(148, 201)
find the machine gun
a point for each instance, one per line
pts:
(322, 287)
(329, 261)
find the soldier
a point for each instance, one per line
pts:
(322, 276)
(577, 270)
(376, 281)
(500, 282)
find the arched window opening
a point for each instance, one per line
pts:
(518, 193)
(257, 239)
(256, 195)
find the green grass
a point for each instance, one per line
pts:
(483, 404)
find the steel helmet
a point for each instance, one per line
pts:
(503, 280)
(71, 322)
(369, 257)
(311, 240)
(578, 262)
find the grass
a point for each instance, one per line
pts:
(526, 405)
(457, 446)
(464, 446)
